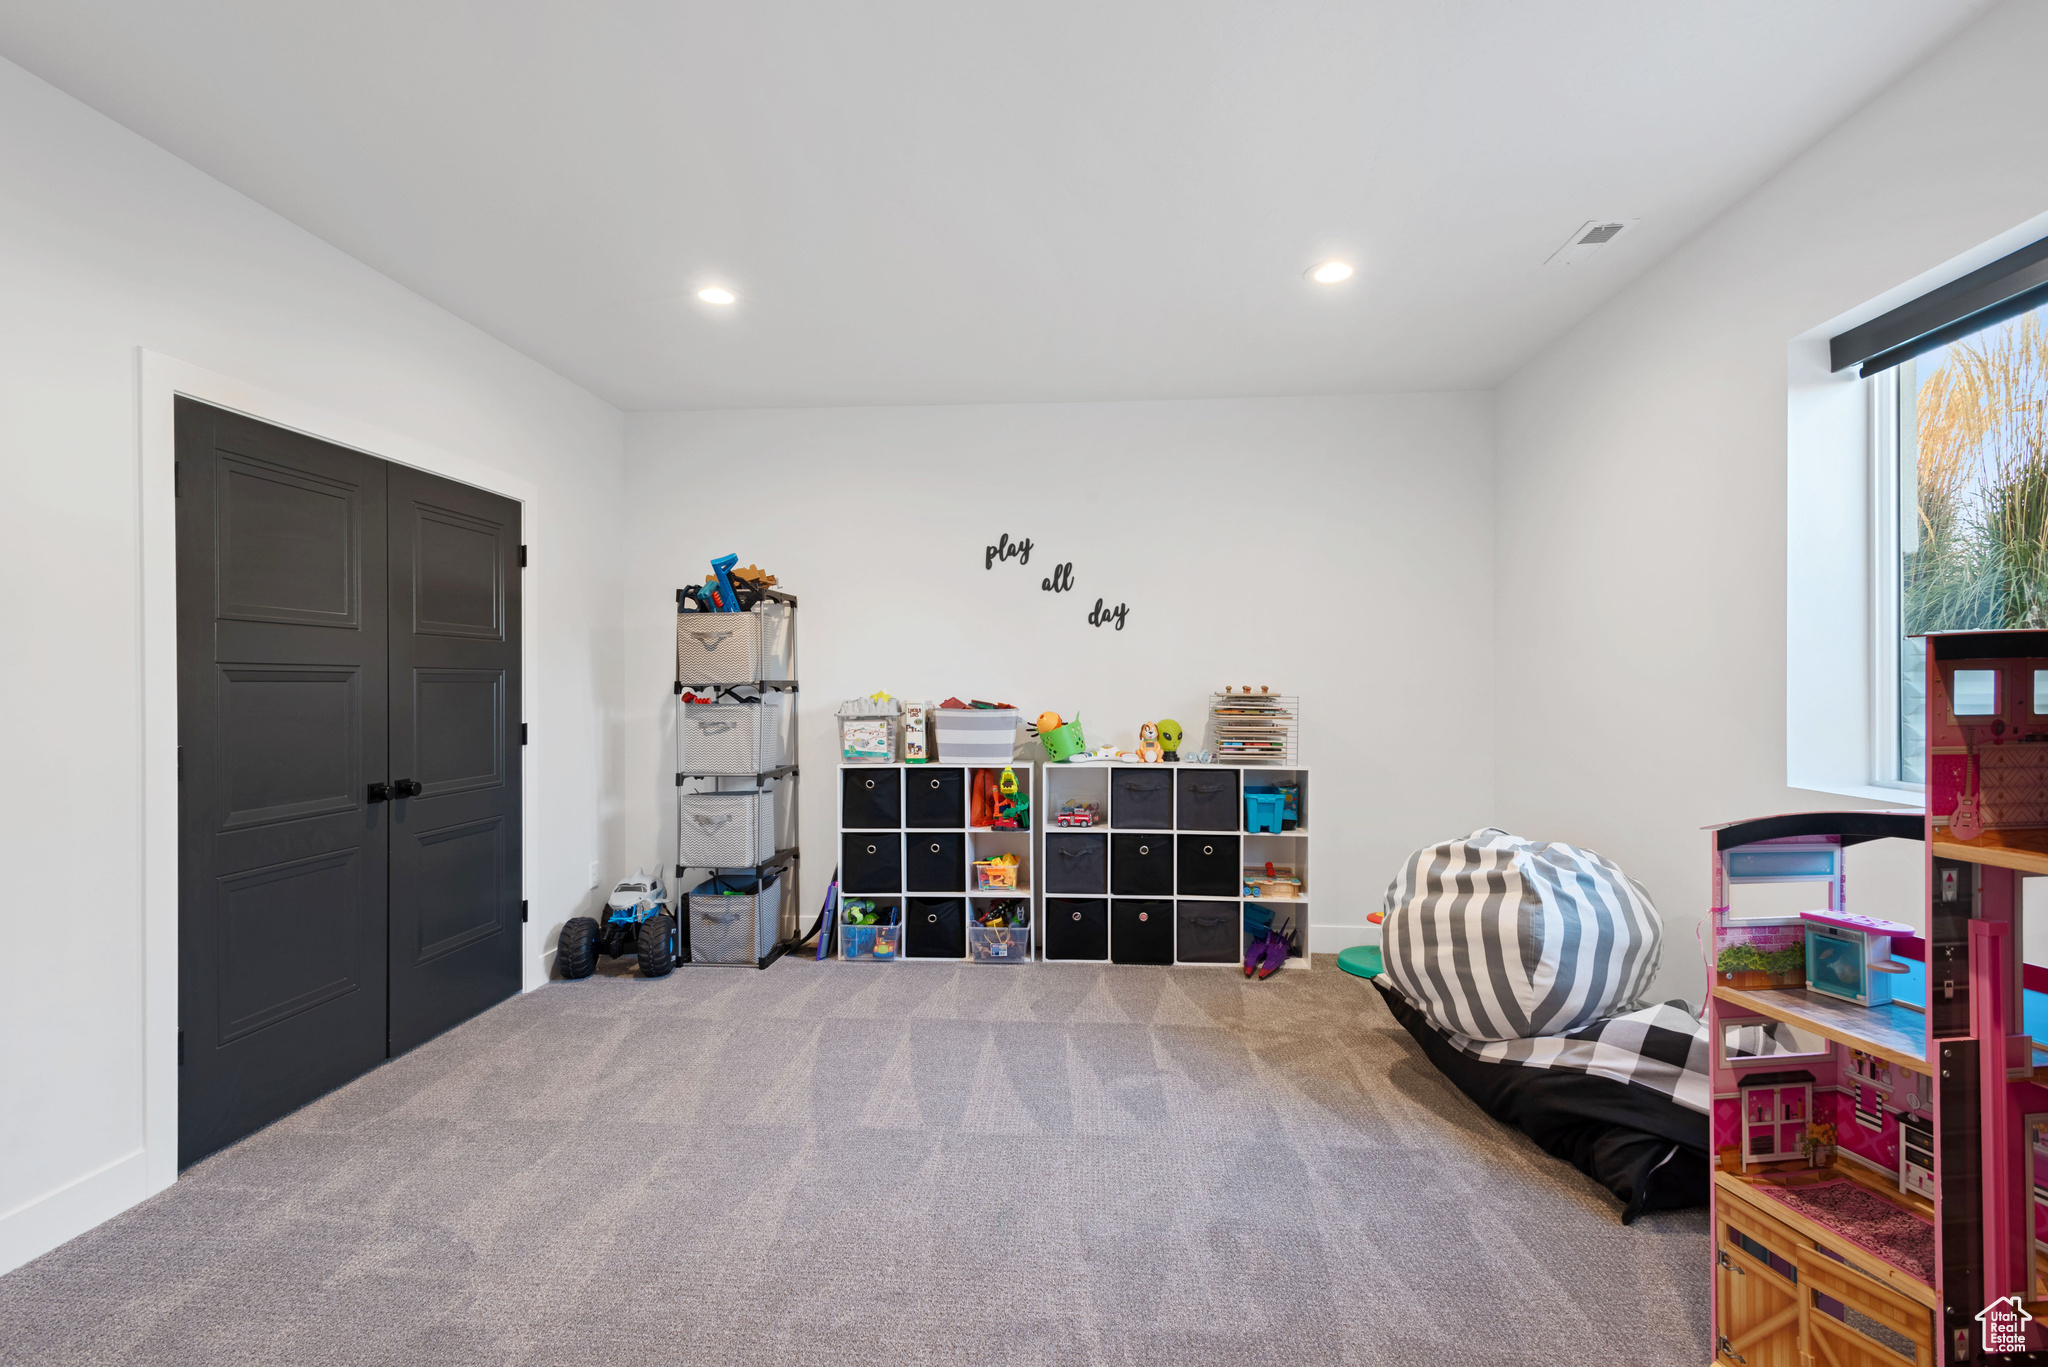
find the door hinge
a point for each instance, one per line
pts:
(522, 557)
(181, 1046)
(522, 733)
(522, 913)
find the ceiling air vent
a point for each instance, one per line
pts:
(1583, 245)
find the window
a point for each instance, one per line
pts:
(1960, 457)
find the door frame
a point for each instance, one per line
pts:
(160, 380)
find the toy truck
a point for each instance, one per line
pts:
(635, 921)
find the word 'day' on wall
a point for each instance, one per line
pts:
(1103, 616)
(1006, 549)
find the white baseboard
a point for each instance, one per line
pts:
(1330, 939)
(35, 1227)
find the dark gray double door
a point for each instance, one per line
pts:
(349, 764)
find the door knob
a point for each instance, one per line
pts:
(380, 792)
(406, 787)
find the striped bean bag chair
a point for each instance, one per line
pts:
(1495, 938)
(1520, 969)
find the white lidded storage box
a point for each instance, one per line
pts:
(975, 735)
(731, 737)
(735, 928)
(726, 830)
(733, 647)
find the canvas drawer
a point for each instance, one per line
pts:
(726, 830)
(999, 944)
(935, 861)
(731, 737)
(935, 798)
(1141, 931)
(1208, 933)
(1076, 863)
(871, 799)
(871, 862)
(1141, 865)
(935, 928)
(1076, 928)
(1208, 866)
(734, 928)
(1206, 799)
(1141, 798)
(718, 648)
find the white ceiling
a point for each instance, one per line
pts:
(966, 202)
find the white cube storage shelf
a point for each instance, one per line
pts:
(906, 844)
(1158, 880)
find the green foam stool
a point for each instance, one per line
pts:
(1361, 960)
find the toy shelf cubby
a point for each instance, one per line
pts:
(1160, 877)
(907, 843)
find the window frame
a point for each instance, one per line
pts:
(1885, 397)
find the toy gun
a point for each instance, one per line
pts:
(722, 567)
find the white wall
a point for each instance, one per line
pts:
(107, 245)
(1642, 551)
(1339, 548)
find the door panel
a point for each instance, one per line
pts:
(455, 856)
(281, 726)
(1760, 1320)
(461, 729)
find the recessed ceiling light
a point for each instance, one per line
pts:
(1330, 272)
(718, 294)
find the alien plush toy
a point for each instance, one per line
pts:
(1169, 742)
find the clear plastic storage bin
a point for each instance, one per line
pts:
(871, 943)
(999, 944)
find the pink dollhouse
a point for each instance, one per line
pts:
(1905, 1046)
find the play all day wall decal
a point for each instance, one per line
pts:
(1002, 551)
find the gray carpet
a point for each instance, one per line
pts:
(885, 1164)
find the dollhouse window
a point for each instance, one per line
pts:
(1975, 694)
(2041, 692)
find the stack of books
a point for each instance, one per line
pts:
(1253, 728)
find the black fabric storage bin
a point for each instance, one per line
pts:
(871, 862)
(1206, 800)
(873, 798)
(1141, 798)
(1076, 863)
(1141, 865)
(935, 928)
(1076, 928)
(935, 861)
(1141, 932)
(1208, 933)
(1209, 866)
(935, 798)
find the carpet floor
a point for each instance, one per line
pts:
(885, 1164)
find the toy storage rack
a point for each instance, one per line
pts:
(1090, 781)
(976, 842)
(786, 858)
